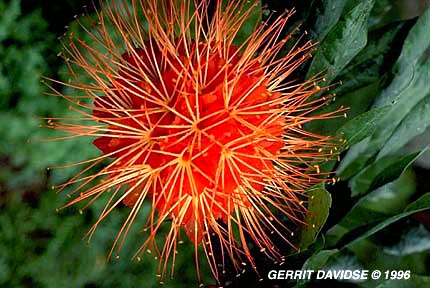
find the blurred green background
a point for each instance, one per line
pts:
(38, 246)
(372, 224)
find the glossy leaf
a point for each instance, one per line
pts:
(408, 88)
(368, 210)
(342, 43)
(380, 172)
(359, 127)
(422, 204)
(316, 262)
(319, 203)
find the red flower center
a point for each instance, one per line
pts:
(207, 129)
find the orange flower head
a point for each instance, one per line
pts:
(207, 131)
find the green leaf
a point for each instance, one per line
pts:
(327, 13)
(385, 12)
(414, 124)
(357, 101)
(249, 25)
(319, 203)
(368, 210)
(315, 262)
(381, 171)
(422, 204)
(359, 127)
(369, 65)
(342, 43)
(423, 201)
(408, 88)
(360, 83)
(375, 255)
(416, 240)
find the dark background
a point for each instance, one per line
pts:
(42, 248)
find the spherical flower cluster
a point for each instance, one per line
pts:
(205, 129)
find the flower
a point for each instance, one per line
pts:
(206, 130)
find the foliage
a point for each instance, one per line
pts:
(376, 62)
